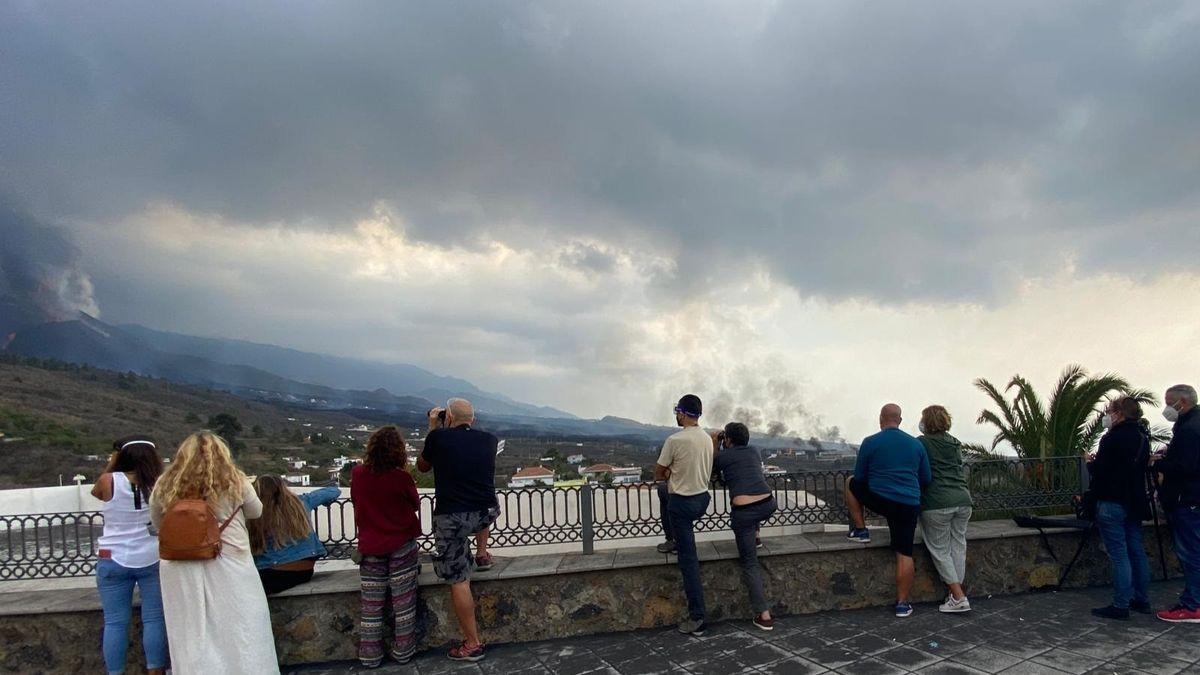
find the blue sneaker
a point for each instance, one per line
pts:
(860, 534)
(904, 609)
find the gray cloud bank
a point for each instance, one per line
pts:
(653, 169)
(888, 150)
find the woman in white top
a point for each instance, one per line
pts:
(129, 553)
(216, 610)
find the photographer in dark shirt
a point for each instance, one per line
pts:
(740, 468)
(463, 461)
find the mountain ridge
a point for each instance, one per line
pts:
(89, 340)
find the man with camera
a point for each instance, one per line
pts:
(1179, 491)
(685, 463)
(463, 461)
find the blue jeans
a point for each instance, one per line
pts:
(116, 597)
(1122, 537)
(1185, 526)
(664, 498)
(685, 511)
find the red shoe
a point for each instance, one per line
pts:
(483, 562)
(1180, 615)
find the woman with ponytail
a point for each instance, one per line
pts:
(129, 553)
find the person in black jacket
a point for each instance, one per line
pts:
(1179, 490)
(1118, 485)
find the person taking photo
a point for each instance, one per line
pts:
(129, 553)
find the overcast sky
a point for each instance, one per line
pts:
(802, 209)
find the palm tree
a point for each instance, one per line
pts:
(1069, 426)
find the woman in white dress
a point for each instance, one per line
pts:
(217, 615)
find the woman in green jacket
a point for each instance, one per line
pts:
(945, 506)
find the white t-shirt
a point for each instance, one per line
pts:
(689, 456)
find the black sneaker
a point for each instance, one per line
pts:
(666, 547)
(692, 627)
(1141, 607)
(1111, 612)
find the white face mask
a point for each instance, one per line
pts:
(1170, 413)
(921, 427)
(1106, 422)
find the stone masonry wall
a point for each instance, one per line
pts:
(632, 589)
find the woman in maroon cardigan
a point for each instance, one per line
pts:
(387, 513)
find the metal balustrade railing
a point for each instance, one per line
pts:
(64, 544)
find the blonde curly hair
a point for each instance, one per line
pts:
(202, 468)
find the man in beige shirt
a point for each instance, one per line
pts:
(685, 463)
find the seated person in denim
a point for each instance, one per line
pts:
(283, 541)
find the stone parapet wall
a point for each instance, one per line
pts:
(539, 597)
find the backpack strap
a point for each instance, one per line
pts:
(230, 518)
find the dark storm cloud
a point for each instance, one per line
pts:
(890, 150)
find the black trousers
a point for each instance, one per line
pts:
(277, 581)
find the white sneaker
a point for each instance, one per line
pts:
(952, 606)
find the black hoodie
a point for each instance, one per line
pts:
(1180, 466)
(1119, 470)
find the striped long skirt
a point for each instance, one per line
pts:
(396, 573)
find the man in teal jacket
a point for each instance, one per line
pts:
(891, 469)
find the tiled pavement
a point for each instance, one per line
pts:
(1034, 633)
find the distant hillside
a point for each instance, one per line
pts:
(337, 372)
(256, 370)
(52, 419)
(140, 350)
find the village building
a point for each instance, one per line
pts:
(531, 477)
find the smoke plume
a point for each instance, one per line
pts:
(40, 270)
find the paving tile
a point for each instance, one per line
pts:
(1067, 661)
(942, 645)
(647, 665)
(786, 545)
(793, 666)
(721, 665)
(833, 656)
(1024, 645)
(1105, 650)
(640, 557)
(837, 633)
(870, 666)
(802, 643)
(1031, 668)
(762, 654)
(578, 562)
(950, 668)
(1151, 663)
(986, 659)
(868, 644)
(532, 566)
(1173, 645)
(909, 658)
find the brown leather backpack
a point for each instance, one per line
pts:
(189, 531)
